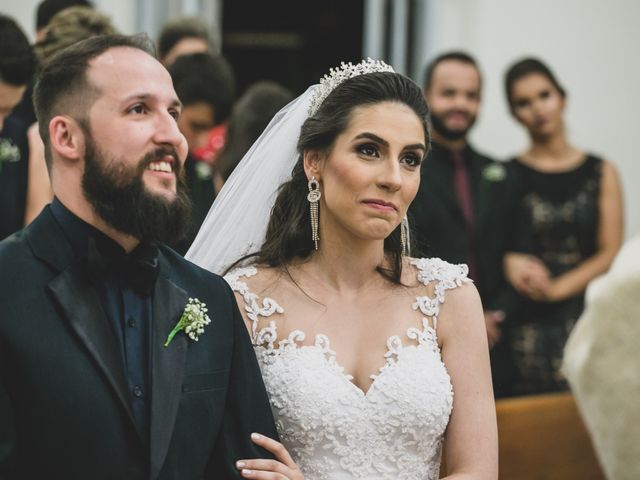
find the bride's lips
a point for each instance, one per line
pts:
(380, 205)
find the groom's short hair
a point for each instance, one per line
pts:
(62, 86)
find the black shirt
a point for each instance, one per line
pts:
(129, 312)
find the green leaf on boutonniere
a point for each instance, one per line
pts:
(192, 322)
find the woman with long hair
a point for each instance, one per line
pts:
(360, 353)
(571, 223)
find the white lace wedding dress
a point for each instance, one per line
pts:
(332, 428)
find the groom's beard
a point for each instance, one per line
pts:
(118, 195)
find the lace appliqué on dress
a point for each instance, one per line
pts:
(332, 428)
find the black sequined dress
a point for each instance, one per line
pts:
(558, 223)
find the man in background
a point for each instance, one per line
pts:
(458, 213)
(183, 36)
(205, 85)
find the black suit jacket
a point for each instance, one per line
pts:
(64, 409)
(438, 223)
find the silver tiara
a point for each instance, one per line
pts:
(338, 75)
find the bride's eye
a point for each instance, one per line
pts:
(411, 160)
(368, 150)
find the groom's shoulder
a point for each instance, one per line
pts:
(14, 253)
(191, 277)
(12, 246)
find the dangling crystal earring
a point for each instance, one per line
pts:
(314, 197)
(404, 236)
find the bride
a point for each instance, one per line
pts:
(373, 360)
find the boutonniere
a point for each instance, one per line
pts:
(494, 172)
(203, 170)
(8, 152)
(193, 320)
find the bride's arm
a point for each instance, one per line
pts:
(471, 440)
(283, 467)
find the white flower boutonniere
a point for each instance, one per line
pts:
(9, 152)
(494, 172)
(193, 320)
(203, 171)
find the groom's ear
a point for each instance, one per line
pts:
(66, 138)
(313, 161)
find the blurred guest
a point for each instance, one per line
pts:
(569, 220)
(251, 115)
(47, 9)
(70, 25)
(601, 363)
(183, 36)
(459, 211)
(17, 63)
(206, 87)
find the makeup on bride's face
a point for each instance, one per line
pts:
(372, 172)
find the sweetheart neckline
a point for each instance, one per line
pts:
(425, 339)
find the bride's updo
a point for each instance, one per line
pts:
(289, 230)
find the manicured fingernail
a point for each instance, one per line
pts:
(240, 464)
(256, 436)
(246, 471)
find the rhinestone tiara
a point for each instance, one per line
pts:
(338, 75)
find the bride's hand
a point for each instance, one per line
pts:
(282, 468)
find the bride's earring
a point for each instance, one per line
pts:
(404, 236)
(314, 197)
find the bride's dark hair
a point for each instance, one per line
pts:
(289, 230)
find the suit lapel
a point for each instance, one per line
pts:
(81, 306)
(167, 368)
(441, 194)
(79, 302)
(483, 194)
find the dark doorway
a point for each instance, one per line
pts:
(293, 42)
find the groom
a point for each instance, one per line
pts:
(89, 385)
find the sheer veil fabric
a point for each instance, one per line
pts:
(237, 222)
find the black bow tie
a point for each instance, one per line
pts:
(139, 269)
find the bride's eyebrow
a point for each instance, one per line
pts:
(372, 136)
(382, 141)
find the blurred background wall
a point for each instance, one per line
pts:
(591, 45)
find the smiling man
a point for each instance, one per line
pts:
(89, 385)
(459, 214)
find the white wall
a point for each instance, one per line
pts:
(591, 45)
(23, 12)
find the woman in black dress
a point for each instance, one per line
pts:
(570, 227)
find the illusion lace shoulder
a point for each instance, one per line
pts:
(332, 428)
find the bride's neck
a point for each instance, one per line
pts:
(346, 264)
